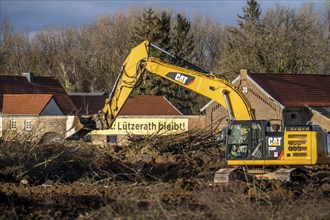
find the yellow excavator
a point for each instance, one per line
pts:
(254, 147)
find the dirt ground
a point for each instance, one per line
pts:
(153, 178)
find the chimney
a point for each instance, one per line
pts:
(243, 74)
(243, 80)
(29, 76)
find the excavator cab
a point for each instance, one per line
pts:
(245, 140)
(257, 148)
(254, 142)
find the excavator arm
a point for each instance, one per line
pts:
(128, 78)
(206, 84)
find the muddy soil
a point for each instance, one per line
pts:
(153, 178)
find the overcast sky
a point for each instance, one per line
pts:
(34, 15)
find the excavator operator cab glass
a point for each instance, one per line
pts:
(222, 136)
(245, 140)
(238, 140)
(238, 134)
(256, 134)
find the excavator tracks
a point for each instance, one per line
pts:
(291, 174)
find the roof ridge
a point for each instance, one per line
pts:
(20, 76)
(301, 74)
(28, 94)
(147, 96)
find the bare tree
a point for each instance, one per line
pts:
(284, 40)
(5, 43)
(89, 58)
(15, 50)
(294, 41)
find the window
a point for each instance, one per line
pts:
(28, 125)
(256, 134)
(239, 151)
(111, 138)
(13, 124)
(245, 89)
(239, 134)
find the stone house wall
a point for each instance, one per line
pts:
(40, 125)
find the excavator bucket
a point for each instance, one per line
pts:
(79, 126)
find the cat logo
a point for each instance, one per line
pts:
(274, 141)
(181, 78)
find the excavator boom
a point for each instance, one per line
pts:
(208, 85)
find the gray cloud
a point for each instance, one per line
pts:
(34, 15)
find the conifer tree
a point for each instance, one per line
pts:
(182, 45)
(157, 29)
(251, 15)
(244, 49)
(182, 40)
(164, 30)
(147, 27)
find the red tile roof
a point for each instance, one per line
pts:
(89, 104)
(25, 104)
(296, 89)
(40, 85)
(148, 105)
(135, 105)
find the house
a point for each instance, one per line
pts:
(141, 115)
(288, 98)
(32, 106)
(88, 103)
